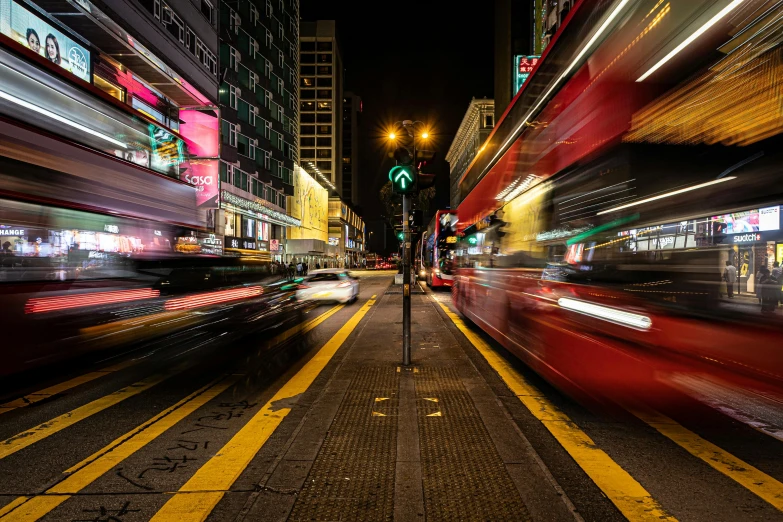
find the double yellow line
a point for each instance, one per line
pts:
(198, 497)
(625, 492)
(219, 473)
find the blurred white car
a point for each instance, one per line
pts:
(329, 284)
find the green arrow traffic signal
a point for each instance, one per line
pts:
(400, 236)
(403, 179)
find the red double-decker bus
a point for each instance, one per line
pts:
(638, 163)
(437, 250)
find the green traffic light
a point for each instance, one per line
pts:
(400, 236)
(402, 178)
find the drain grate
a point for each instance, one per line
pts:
(464, 478)
(352, 478)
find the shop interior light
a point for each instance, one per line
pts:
(57, 117)
(666, 195)
(685, 43)
(601, 30)
(606, 313)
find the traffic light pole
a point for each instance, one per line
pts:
(406, 281)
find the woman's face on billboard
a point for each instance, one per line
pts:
(32, 41)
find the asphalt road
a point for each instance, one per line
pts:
(214, 422)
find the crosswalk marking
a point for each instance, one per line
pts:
(29, 509)
(198, 497)
(625, 492)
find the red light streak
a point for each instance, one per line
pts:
(50, 304)
(211, 298)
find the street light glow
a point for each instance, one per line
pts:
(425, 135)
(392, 136)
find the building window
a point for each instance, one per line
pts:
(267, 160)
(325, 58)
(108, 87)
(174, 24)
(254, 14)
(324, 142)
(307, 70)
(280, 58)
(324, 106)
(251, 115)
(280, 86)
(307, 82)
(267, 129)
(325, 70)
(307, 106)
(233, 58)
(253, 77)
(234, 21)
(307, 129)
(190, 40)
(324, 153)
(232, 96)
(269, 8)
(252, 46)
(307, 94)
(307, 153)
(488, 120)
(324, 117)
(307, 142)
(324, 165)
(208, 11)
(267, 99)
(325, 82)
(307, 117)
(324, 93)
(267, 68)
(324, 129)
(230, 134)
(324, 46)
(280, 33)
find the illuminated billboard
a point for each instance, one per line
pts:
(523, 66)
(760, 220)
(310, 204)
(40, 37)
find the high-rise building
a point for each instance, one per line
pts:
(552, 14)
(514, 36)
(107, 107)
(259, 65)
(321, 104)
(476, 126)
(352, 107)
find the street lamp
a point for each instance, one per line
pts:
(406, 170)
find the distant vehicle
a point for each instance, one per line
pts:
(436, 250)
(329, 284)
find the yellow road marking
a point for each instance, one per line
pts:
(625, 492)
(13, 505)
(40, 395)
(198, 497)
(28, 509)
(305, 327)
(40, 432)
(746, 475)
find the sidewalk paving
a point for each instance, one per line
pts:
(386, 442)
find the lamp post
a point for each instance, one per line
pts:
(409, 127)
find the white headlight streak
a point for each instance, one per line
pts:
(61, 119)
(606, 313)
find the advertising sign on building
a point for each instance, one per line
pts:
(40, 37)
(310, 204)
(523, 66)
(203, 174)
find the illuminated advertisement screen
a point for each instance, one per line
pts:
(42, 38)
(523, 66)
(760, 220)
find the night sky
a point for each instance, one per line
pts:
(419, 60)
